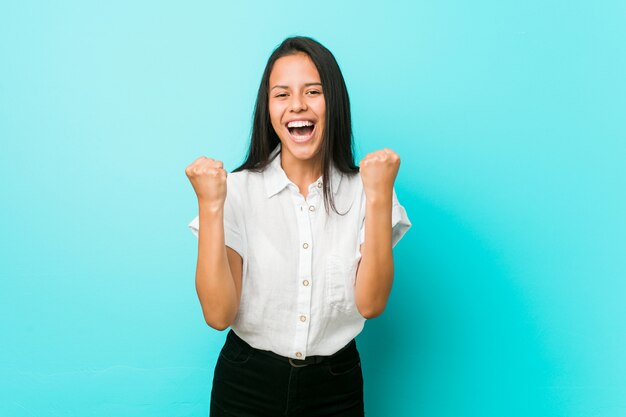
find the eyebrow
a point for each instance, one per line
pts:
(286, 87)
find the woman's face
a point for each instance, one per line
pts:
(297, 107)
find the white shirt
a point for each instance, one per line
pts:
(299, 263)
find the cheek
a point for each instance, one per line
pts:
(274, 116)
(276, 108)
(320, 109)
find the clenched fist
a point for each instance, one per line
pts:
(378, 173)
(208, 179)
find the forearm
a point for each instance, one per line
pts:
(214, 282)
(375, 272)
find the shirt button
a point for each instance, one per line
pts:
(298, 354)
(303, 318)
(305, 245)
(311, 208)
(319, 184)
(305, 282)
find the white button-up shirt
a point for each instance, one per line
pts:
(299, 262)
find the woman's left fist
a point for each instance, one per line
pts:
(378, 173)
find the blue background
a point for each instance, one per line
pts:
(510, 288)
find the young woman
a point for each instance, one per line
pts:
(295, 246)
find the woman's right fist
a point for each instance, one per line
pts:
(208, 178)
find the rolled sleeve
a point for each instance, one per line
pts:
(232, 225)
(232, 228)
(194, 226)
(400, 222)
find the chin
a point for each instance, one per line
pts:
(300, 151)
(302, 145)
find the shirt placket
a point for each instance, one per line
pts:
(304, 215)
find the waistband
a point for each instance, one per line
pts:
(350, 348)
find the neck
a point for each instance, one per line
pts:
(301, 173)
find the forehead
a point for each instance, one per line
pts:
(294, 69)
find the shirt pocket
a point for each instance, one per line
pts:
(340, 275)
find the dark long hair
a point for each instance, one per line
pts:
(337, 143)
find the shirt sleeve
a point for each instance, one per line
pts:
(400, 222)
(233, 236)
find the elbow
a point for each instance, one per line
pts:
(217, 323)
(220, 325)
(371, 305)
(371, 311)
(372, 290)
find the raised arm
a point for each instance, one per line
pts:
(218, 269)
(375, 272)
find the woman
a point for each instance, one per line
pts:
(295, 279)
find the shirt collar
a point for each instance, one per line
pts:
(275, 178)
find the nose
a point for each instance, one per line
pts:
(297, 103)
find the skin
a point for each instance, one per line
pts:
(295, 93)
(218, 268)
(375, 271)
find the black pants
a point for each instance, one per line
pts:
(253, 383)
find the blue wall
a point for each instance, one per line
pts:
(510, 288)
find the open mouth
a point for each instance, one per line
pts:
(301, 130)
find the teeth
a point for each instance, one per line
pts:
(299, 123)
